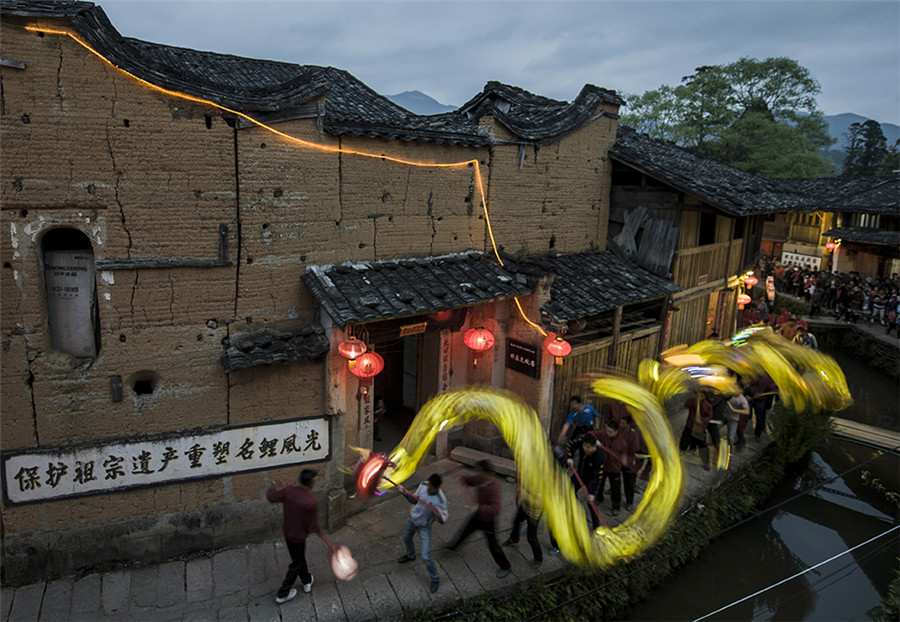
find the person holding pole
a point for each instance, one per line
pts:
(300, 519)
(430, 504)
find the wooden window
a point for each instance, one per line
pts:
(707, 229)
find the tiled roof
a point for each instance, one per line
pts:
(534, 117)
(277, 90)
(267, 346)
(869, 235)
(354, 293)
(867, 195)
(588, 284)
(722, 186)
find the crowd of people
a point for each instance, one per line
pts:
(845, 295)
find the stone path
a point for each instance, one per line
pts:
(239, 584)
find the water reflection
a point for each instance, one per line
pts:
(802, 533)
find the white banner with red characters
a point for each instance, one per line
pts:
(58, 473)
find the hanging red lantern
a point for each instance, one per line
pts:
(559, 348)
(743, 299)
(441, 316)
(750, 280)
(352, 349)
(478, 340)
(367, 365)
(831, 246)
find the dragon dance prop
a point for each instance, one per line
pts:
(807, 381)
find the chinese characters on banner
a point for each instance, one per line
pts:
(49, 475)
(811, 262)
(444, 380)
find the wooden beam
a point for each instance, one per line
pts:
(617, 326)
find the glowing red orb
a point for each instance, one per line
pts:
(368, 365)
(559, 347)
(479, 339)
(352, 348)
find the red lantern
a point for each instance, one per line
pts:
(831, 246)
(743, 299)
(441, 316)
(559, 348)
(750, 280)
(352, 349)
(368, 365)
(478, 340)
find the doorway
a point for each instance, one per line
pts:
(408, 381)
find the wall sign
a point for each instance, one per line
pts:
(523, 358)
(55, 474)
(413, 329)
(804, 261)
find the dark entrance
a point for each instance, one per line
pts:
(411, 370)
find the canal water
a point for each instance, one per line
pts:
(802, 531)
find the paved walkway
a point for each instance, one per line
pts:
(240, 583)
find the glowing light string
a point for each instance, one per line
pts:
(479, 184)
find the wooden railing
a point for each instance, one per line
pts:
(704, 264)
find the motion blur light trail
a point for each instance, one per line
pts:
(544, 483)
(808, 381)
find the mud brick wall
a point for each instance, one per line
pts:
(147, 176)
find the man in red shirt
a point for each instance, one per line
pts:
(487, 493)
(621, 444)
(300, 519)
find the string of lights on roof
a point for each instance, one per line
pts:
(363, 371)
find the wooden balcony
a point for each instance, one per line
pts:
(705, 264)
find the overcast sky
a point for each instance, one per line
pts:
(449, 50)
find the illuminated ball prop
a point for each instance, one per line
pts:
(750, 280)
(743, 299)
(343, 565)
(368, 473)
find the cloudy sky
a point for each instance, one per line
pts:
(450, 49)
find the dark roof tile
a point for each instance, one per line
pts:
(588, 284)
(271, 90)
(265, 346)
(868, 195)
(354, 293)
(722, 186)
(868, 235)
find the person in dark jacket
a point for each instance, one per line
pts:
(700, 413)
(487, 494)
(590, 461)
(300, 519)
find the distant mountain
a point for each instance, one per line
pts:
(419, 103)
(839, 127)
(839, 124)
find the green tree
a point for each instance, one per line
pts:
(891, 162)
(757, 115)
(867, 149)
